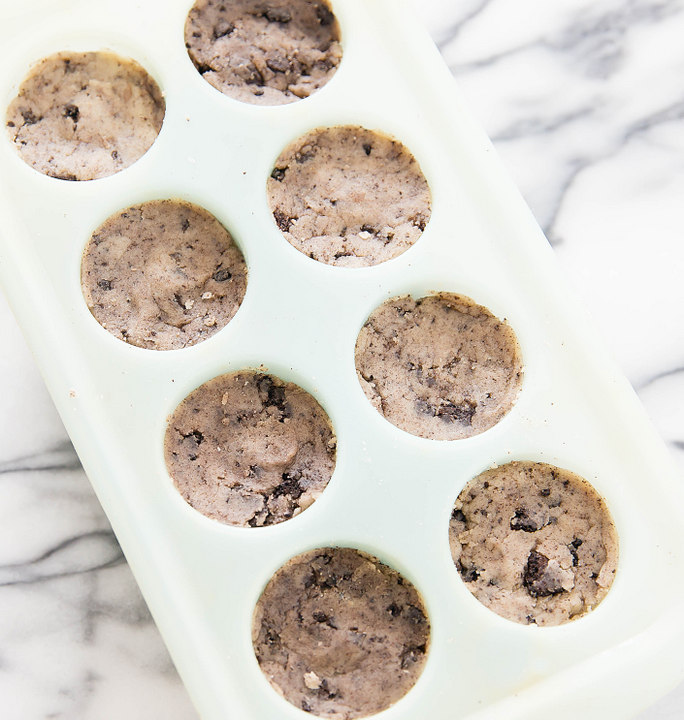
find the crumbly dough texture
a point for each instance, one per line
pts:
(249, 449)
(339, 634)
(265, 52)
(163, 275)
(534, 543)
(440, 367)
(348, 196)
(81, 116)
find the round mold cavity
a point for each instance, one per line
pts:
(264, 53)
(163, 275)
(439, 367)
(248, 449)
(349, 196)
(340, 634)
(534, 543)
(85, 115)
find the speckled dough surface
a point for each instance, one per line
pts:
(81, 116)
(534, 543)
(349, 196)
(339, 634)
(163, 275)
(248, 449)
(266, 52)
(441, 367)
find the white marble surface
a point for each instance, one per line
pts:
(585, 103)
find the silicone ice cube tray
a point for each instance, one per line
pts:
(391, 493)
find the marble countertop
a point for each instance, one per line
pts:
(585, 104)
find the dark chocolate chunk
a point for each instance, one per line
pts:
(72, 111)
(222, 274)
(290, 486)
(463, 412)
(537, 580)
(251, 74)
(202, 68)
(522, 520)
(469, 574)
(196, 436)
(415, 615)
(324, 618)
(321, 578)
(409, 655)
(273, 395)
(279, 15)
(272, 637)
(277, 62)
(424, 407)
(573, 551)
(302, 157)
(324, 14)
(325, 691)
(458, 515)
(283, 221)
(394, 610)
(419, 222)
(29, 117)
(223, 28)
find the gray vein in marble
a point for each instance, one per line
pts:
(540, 126)
(598, 41)
(61, 458)
(648, 123)
(672, 113)
(453, 31)
(591, 40)
(658, 376)
(575, 166)
(595, 44)
(572, 171)
(76, 555)
(462, 68)
(91, 611)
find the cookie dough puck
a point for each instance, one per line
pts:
(248, 449)
(264, 52)
(339, 634)
(534, 543)
(348, 196)
(82, 116)
(441, 367)
(163, 275)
